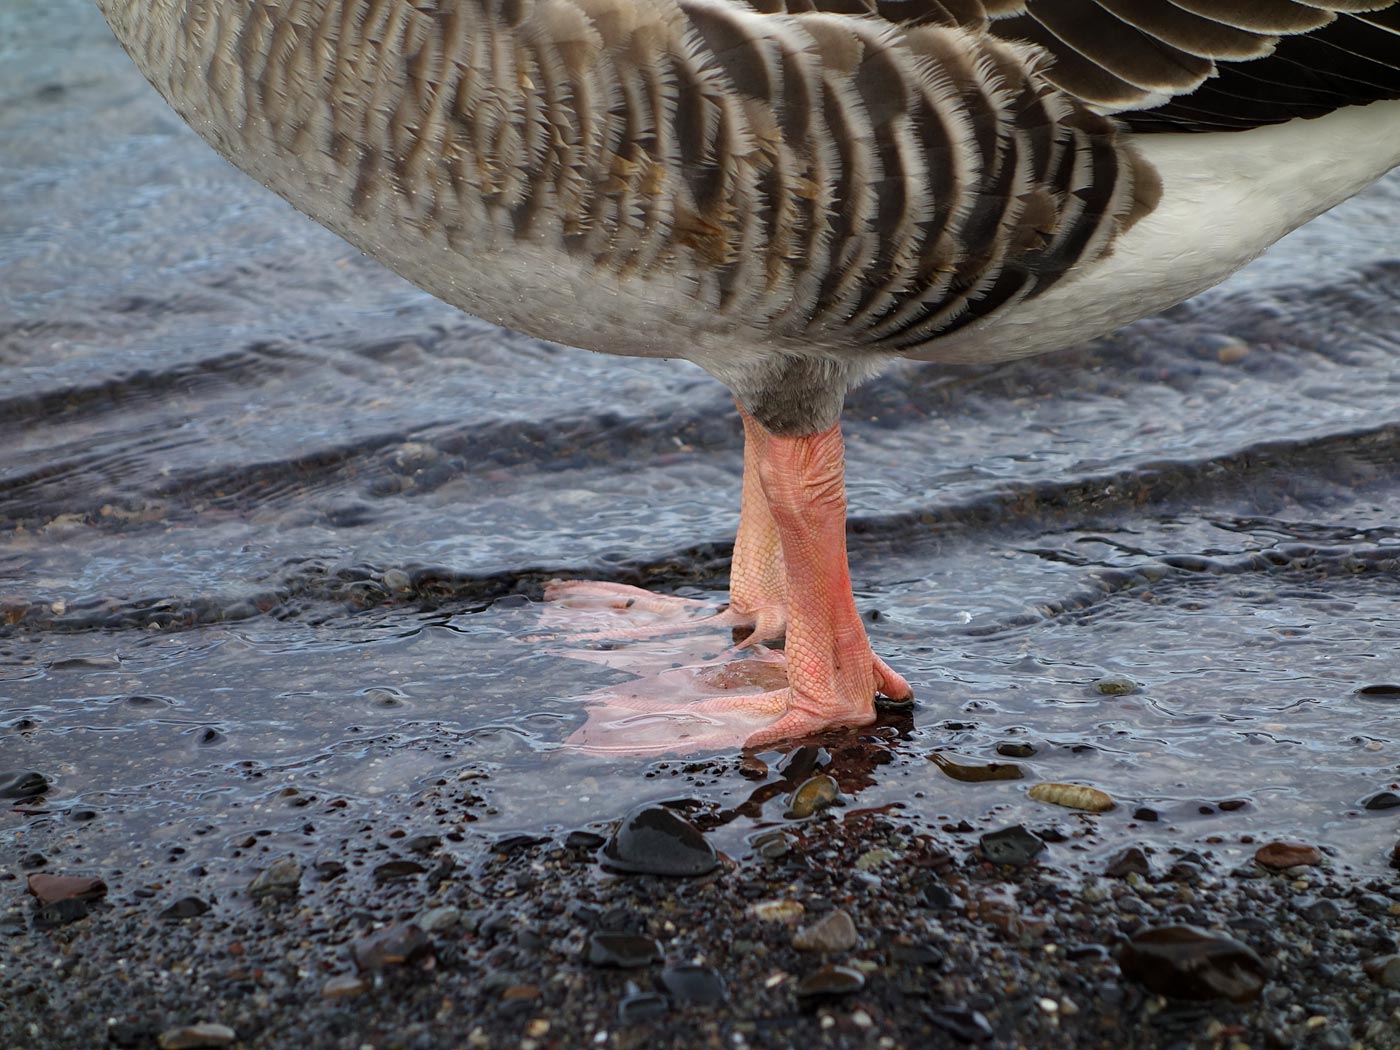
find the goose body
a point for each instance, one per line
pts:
(793, 193)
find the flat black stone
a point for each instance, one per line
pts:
(185, 908)
(621, 951)
(655, 841)
(23, 785)
(1014, 845)
(1382, 800)
(964, 1025)
(1185, 962)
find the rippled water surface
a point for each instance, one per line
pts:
(273, 528)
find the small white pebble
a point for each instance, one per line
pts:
(775, 979)
(861, 1019)
(1049, 1005)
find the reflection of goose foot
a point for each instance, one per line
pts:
(591, 610)
(742, 703)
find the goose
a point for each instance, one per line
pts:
(792, 194)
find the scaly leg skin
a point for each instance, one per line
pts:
(757, 586)
(832, 674)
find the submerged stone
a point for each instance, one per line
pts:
(976, 772)
(655, 841)
(1185, 962)
(813, 795)
(1014, 845)
(1281, 855)
(831, 980)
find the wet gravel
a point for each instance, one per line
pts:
(867, 929)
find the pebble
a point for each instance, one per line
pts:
(397, 871)
(1072, 796)
(655, 841)
(23, 785)
(586, 840)
(641, 1006)
(1010, 749)
(963, 1024)
(1319, 910)
(1382, 800)
(833, 932)
(622, 951)
(1385, 971)
(753, 768)
(1014, 845)
(777, 911)
(344, 986)
(50, 889)
(690, 984)
(1116, 685)
(814, 794)
(1190, 963)
(196, 1036)
(1131, 861)
(976, 772)
(831, 980)
(281, 881)
(434, 920)
(874, 858)
(185, 908)
(1278, 856)
(392, 946)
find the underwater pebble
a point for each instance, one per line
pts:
(833, 932)
(814, 794)
(1072, 796)
(196, 1037)
(655, 841)
(975, 772)
(280, 881)
(1190, 963)
(1116, 685)
(1382, 800)
(641, 1006)
(831, 980)
(1015, 750)
(964, 1025)
(23, 785)
(1014, 845)
(1279, 856)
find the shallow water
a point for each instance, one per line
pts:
(273, 527)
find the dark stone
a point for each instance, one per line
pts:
(1084, 952)
(690, 984)
(939, 897)
(803, 761)
(514, 843)
(1146, 814)
(129, 1034)
(1014, 845)
(920, 955)
(1185, 962)
(1131, 861)
(1382, 800)
(61, 913)
(423, 843)
(641, 1006)
(185, 908)
(622, 951)
(963, 1024)
(831, 981)
(1395, 857)
(397, 871)
(23, 785)
(1320, 910)
(586, 840)
(30, 861)
(391, 946)
(329, 869)
(654, 841)
(1009, 749)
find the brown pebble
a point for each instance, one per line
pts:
(196, 1037)
(391, 946)
(753, 768)
(1278, 856)
(343, 986)
(833, 932)
(1072, 796)
(53, 888)
(519, 992)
